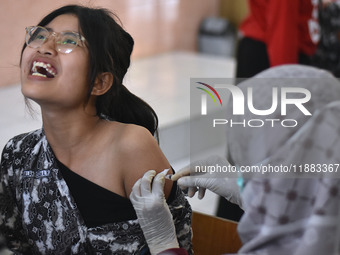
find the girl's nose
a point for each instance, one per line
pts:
(48, 47)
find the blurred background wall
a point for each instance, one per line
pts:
(156, 25)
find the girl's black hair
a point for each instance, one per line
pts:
(110, 48)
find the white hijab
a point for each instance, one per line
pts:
(286, 215)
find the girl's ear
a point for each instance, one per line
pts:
(103, 84)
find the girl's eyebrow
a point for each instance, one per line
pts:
(51, 30)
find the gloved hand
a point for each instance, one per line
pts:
(225, 187)
(153, 213)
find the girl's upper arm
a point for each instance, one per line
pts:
(142, 153)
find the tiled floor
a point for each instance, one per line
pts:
(163, 81)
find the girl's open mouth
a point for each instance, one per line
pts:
(43, 69)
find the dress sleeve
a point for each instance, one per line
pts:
(10, 220)
(182, 216)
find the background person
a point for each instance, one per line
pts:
(284, 213)
(277, 32)
(274, 33)
(64, 188)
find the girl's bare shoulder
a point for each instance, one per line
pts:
(138, 152)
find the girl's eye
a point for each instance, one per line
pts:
(69, 41)
(36, 36)
(40, 37)
(68, 38)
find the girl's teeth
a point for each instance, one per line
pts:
(47, 67)
(39, 74)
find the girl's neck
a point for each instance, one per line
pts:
(69, 133)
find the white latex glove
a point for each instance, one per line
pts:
(153, 213)
(225, 187)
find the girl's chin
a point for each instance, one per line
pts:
(31, 92)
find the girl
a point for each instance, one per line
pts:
(64, 188)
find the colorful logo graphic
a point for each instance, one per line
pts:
(204, 97)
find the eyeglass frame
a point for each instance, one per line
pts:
(81, 38)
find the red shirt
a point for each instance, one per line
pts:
(287, 27)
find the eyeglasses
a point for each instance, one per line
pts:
(66, 41)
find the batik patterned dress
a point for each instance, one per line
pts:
(38, 214)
